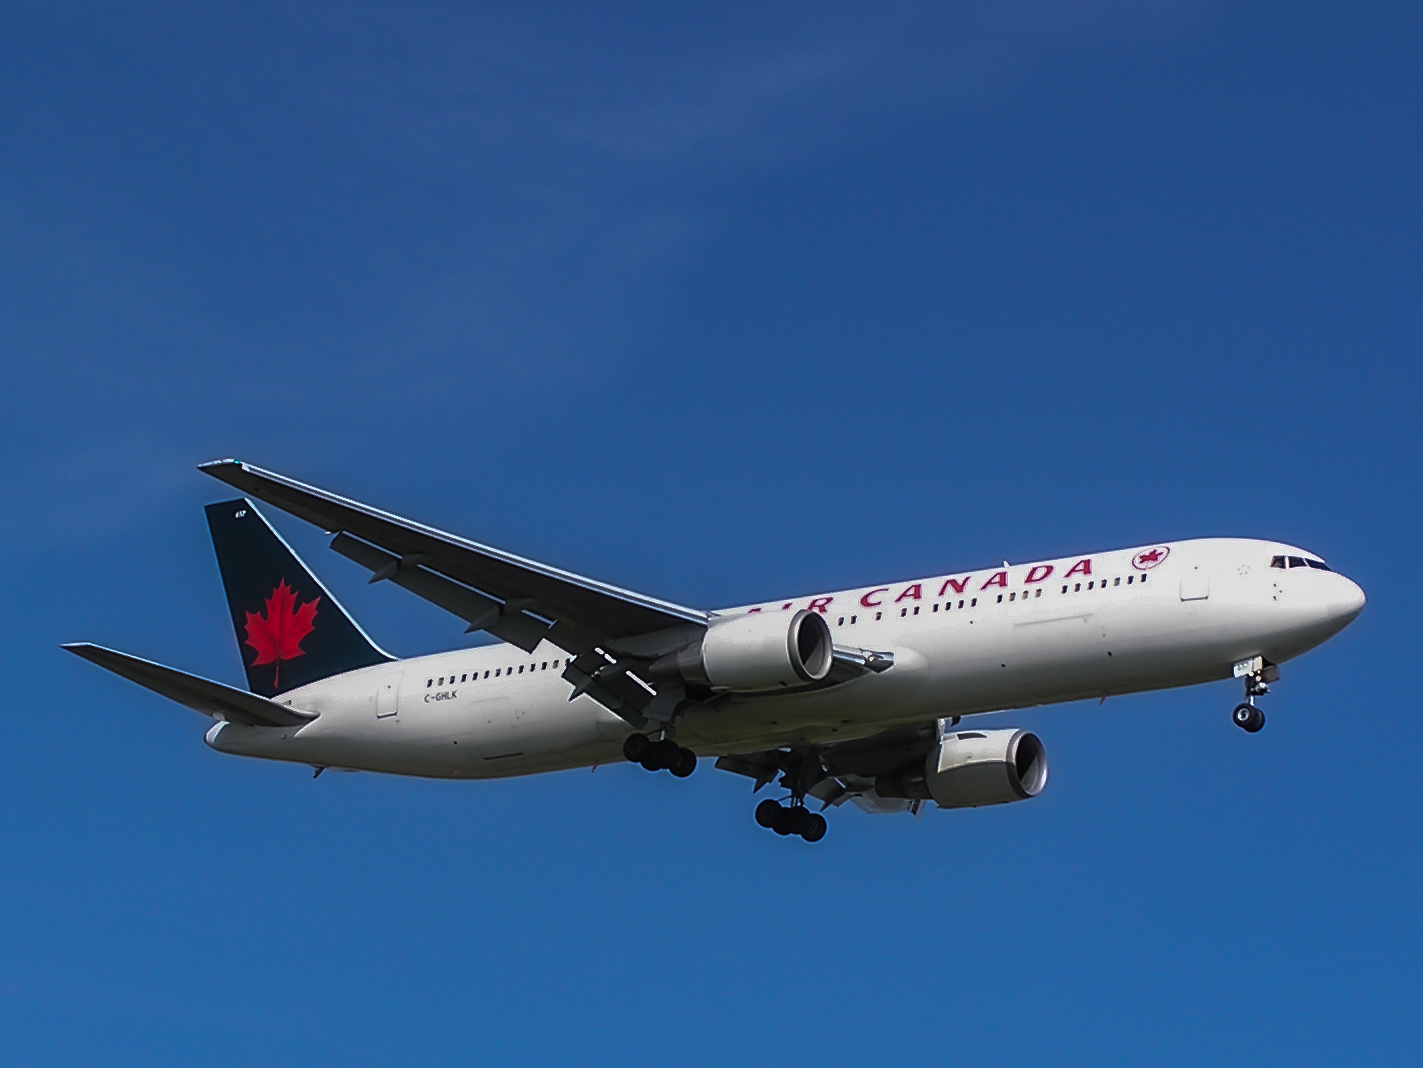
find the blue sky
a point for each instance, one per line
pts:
(721, 304)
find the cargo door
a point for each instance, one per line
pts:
(496, 733)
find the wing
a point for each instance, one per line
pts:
(612, 635)
(609, 632)
(201, 695)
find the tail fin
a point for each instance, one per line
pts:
(290, 630)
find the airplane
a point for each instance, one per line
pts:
(856, 695)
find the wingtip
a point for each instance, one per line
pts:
(210, 465)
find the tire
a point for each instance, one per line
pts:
(1248, 718)
(767, 813)
(785, 817)
(666, 753)
(685, 764)
(636, 747)
(799, 820)
(816, 829)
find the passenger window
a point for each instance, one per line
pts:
(1000, 598)
(1040, 591)
(429, 683)
(1143, 580)
(1117, 581)
(463, 678)
(961, 603)
(840, 622)
(1012, 596)
(496, 673)
(1077, 587)
(916, 609)
(1129, 578)
(852, 621)
(973, 603)
(903, 612)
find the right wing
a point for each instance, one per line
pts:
(612, 635)
(610, 632)
(201, 695)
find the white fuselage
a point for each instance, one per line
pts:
(996, 638)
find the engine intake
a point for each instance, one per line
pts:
(972, 768)
(754, 651)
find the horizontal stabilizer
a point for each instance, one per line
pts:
(201, 695)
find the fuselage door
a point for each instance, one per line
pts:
(388, 697)
(1195, 583)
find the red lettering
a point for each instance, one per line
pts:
(1082, 567)
(750, 610)
(1038, 572)
(915, 592)
(957, 584)
(1000, 578)
(865, 598)
(786, 607)
(818, 604)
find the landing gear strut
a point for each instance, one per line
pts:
(791, 819)
(1257, 675)
(661, 755)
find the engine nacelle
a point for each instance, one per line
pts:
(754, 651)
(972, 768)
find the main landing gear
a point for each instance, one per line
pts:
(1257, 675)
(791, 819)
(661, 755)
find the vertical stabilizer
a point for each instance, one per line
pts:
(290, 630)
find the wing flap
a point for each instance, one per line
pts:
(201, 695)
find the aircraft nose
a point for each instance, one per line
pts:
(1348, 602)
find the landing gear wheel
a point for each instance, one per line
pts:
(784, 818)
(800, 821)
(667, 753)
(685, 764)
(1248, 718)
(815, 827)
(767, 813)
(636, 747)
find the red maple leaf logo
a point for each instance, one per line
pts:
(277, 634)
(1151, 557)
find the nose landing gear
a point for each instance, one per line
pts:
(661, 755)
(1258, 674)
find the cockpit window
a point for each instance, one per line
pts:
(1283, 562)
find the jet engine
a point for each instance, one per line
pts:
(967, 769)
(754, 651)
